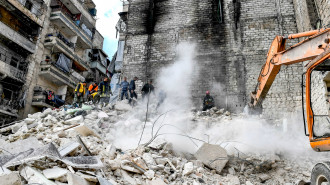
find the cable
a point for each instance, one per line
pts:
(145, 122)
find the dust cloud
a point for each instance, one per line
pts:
(174, 121)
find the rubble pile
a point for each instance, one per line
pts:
(76, 147)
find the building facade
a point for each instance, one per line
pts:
(232, 38)
(46, 50)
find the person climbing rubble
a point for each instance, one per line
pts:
(124, 88)
(92, 91)
(132, 88)
(104, 91)
(79, 93)
(147, 89)
(208, 101)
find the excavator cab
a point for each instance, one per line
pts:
(316, 102)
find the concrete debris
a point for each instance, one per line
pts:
(56, 173)
(75, 180)
(188, 168)
(84, 130)
(33, 176)
(80, 147)
(213, 156)
(67, 149)
(12, 178)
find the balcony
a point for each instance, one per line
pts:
(7, 60)
(33, 11)
(17, 37)
(99, 66)
(52, 73)
(59, 44)
(66, 23)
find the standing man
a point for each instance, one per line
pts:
(124, 88)
(104, 91)
(132, 88)
(208, 101)
(79, 93)
(147, 88)
(92, 91)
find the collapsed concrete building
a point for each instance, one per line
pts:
(232, 38)
(47, 46)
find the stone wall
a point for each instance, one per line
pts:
(230, 53)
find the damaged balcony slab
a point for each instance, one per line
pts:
(56, 76)
(12, 72)
(17, 4)
(14, 36)
(70, 28)
(57, 45)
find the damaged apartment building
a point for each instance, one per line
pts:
(47, 47)
(232, 39)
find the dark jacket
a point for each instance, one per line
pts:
(132, 85)
(147, 88)
(104, 88)
(208, 100)
(124, 85)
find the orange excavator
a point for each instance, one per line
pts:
(314, 53)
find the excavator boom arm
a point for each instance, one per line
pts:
(277, 56)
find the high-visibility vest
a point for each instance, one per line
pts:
(81, 89)
(91, 87)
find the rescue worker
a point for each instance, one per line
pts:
(104, 91)
(147, 88)
(92, 91)
(124, 88)
(79, 93)
(208, 101)
(132, 88)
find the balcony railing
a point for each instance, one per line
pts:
(11, 59)
(75, 20)
(62, 38)
(32, 7)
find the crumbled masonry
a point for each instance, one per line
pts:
(45, 149)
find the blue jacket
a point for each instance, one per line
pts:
(132, 85)
(124, 85)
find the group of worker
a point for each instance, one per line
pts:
(131, 87)
(101, 92)
(96, 92)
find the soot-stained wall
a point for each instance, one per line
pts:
(229, 53)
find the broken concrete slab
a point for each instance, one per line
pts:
(75, 120)
(68, 148)
(29, 120)
(84, 130)
(104, 181)
(127, 178)
(13, 178)
(21, 145)
(188, 168)
(84, 162)
(156, 181)
(77, 180)
(33, 176)
(56, 173)
(126, 165)
(212, 156)
(103, 115)
(88, 177)
(147, 157)
(48, 151)
(158, 144)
